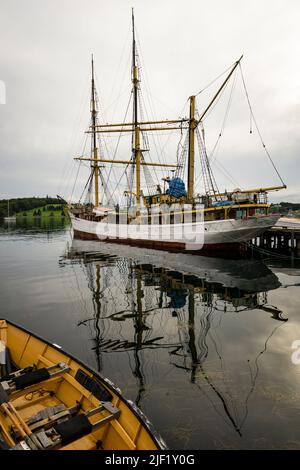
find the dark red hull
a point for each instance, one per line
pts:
(163, 245)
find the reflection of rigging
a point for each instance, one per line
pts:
(178, 287)
(141, 338)
(94, 284)
(199, 358)
(126, 320)
(254, 376)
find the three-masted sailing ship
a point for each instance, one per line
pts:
(172, 217)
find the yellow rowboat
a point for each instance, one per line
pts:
(50, 400)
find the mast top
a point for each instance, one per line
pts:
(132, 18)
(92, 66)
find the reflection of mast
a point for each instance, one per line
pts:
(134, 311)
(197, 363)
(97, 303)
(139, 327)
(192, 345)
(198, 355)
(94, 285)
(197, 359)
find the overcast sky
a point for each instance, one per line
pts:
(45, 67)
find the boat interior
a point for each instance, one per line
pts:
(50, 401)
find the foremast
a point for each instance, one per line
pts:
(136, 129)
(94, 160)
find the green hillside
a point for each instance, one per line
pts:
(56, 211)
(18, 206)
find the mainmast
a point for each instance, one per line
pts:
(191, 154)
(94, 162)
(136, 128)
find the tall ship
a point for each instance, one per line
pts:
(173, 212)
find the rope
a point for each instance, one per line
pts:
(181, 161)
(208, 177)
(118, 141)
(213, 152)
(119, 181)
(213, 81)
(87, 183)
(75, 180)
(118, 70)
(106, 189)
(254, 120)
(225, 116)
(146, 145)
(63, 182)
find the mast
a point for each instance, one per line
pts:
(191, 154)
(219, 90)
(134, 76)
(95, 167)
(136, 128)
(193, 123)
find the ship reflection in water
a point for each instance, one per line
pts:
(187, 338)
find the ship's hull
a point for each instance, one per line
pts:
(220, 234)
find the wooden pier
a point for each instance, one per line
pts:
(284, 236)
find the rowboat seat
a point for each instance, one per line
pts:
(30, 378)
(24, 378)
(68, 430)
(92, 385)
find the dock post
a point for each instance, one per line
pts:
(293, 240)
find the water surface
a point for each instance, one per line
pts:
(202, 345)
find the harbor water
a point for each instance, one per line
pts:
(208, 348)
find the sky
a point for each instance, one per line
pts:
(45, 55)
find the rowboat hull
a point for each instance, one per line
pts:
(78, 386)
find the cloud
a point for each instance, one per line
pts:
(45, 66)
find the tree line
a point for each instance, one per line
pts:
(27, 203)
(284, 207)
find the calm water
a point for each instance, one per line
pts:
(201, 344)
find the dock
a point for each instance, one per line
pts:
(284, 236)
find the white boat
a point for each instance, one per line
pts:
(216, 233)
(9, 218)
